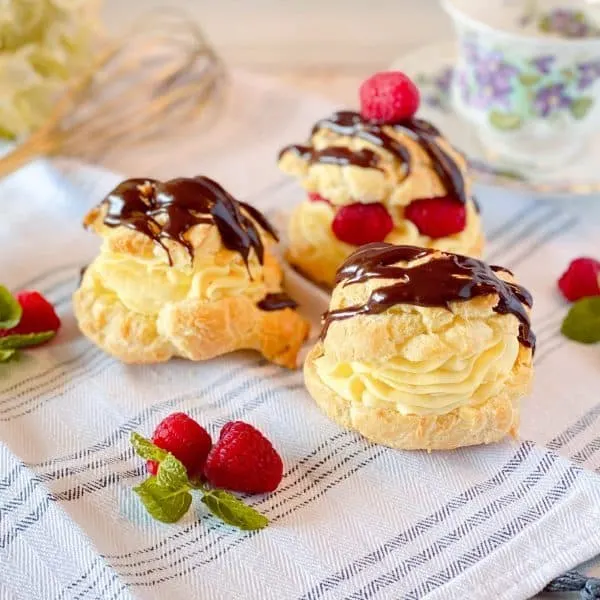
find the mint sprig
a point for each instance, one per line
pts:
(167, 495)
(172, 475)
(144, 448)
(10, 316)
(10, 309)
(6, 355)
(23, 340)
(233, 511)
(162, 503)
(582, 323)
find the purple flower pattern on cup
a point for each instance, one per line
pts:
(588, 74)
(568, 23)
(435, 89)
(471, 50)
(513, 91)
(543, 63)
(494, 77)
(550, 99)
(462, 80)
(444, 79)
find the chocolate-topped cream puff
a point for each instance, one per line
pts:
(423, 349)
(378, 175)
(185, 270)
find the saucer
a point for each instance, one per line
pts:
(431, 67)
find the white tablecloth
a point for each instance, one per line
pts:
(351, 519)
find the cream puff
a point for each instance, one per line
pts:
(423, 349)
(185, 270)
(378, 176)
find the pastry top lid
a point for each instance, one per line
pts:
(381, 153)
(388, 137)
(167, 210)
(429, 278)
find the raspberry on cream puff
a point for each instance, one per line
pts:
(185, 270)
(423, 349)
(396, 180)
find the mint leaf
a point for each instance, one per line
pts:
(172, 474)
(162, 503)
(6, 355)
(146, 449)
(22, 340)
(10, 309)
(232, 511)
(582, 322)
(167, 496)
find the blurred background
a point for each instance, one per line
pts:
(163, 72)
(326, 45)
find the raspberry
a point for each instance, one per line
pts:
(581, 279)
(437, 217)
(38, 315)
(313, 197)
(388, 97)
(360, 224)
(243, 460)
(185, 439)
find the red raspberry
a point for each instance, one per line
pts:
(243, 460)
(388, 97)
(313, 197)
(437, 217)
(185, 439)
(360, 224)
(38, 315)
(581, 279)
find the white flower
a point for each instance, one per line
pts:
(43, 43)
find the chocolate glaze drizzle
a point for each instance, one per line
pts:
(433, 283)
(82, 273)
(276, 301)
(335, 155)
(351, 124)
(167, 210)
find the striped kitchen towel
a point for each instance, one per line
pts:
(351, 519)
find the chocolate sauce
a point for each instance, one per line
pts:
(277, 301)
(436, 282)
(335, 155)
(351, 124)
(167, 210)
(82, 273)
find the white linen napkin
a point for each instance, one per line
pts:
(351, 519)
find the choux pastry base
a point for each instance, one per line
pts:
(191, 329)
(464, 426)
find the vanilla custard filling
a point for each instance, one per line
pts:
(313, 228)
(146, 285)
(431, 386)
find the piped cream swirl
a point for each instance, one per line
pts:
(144, 284)
(431, 386)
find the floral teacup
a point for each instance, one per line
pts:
(533, 94)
